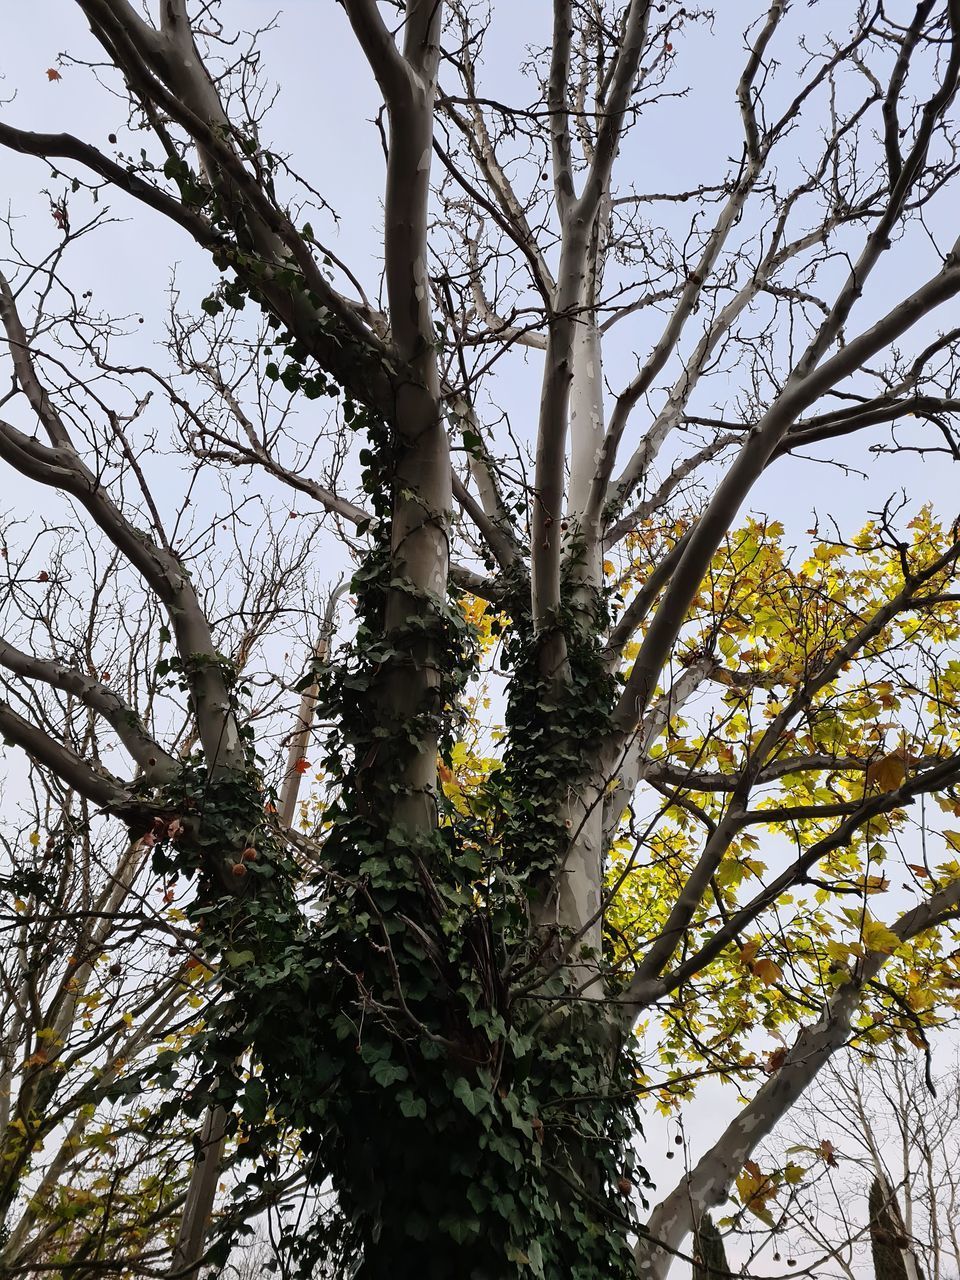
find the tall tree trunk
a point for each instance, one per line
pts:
(893, 1256)
(710, 1256)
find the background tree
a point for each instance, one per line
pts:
(862, 1174)
(888, 1237)
(97, 966)
(455, 980)
(710, 1257)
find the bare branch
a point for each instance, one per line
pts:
(156, 764)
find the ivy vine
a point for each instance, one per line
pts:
(396, 1010)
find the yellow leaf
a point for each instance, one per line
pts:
(888, 773)
(878, 937)
(919, 998)
(877, 884)
(34, 838)
(768, 972)
(755, 1189)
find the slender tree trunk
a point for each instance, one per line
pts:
(201, 1193)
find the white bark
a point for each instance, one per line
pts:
(422, 482)
(579, 904)
(201, 1193)
(300, 737)
(586, 420)
(634, 762)
(578, 219)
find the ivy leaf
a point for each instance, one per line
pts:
(473, 1099)
(412, 1107)
(386, 1073)
(536, 1257)
(253, 1101)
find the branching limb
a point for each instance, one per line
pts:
(394, 74)
(156, 764)
(709, 1181)
(60, 466)
(98, 786)
(799, 392)
(578, 231)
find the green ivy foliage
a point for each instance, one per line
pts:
(411, 1025)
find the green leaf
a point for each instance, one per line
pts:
(386, 1073)
(253, 1101)
(536, 1257)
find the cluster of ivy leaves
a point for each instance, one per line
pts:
(408, 1024)
(412, 1028)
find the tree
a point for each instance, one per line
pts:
(455, 985)
(98, 975)
(710, 1257)
(69, 1003)
(887, 1232)
(866, 1166)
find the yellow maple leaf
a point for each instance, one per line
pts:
(876, 884)
(755, 1189)
(889, 772)
(768, 972)
(878, 937)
